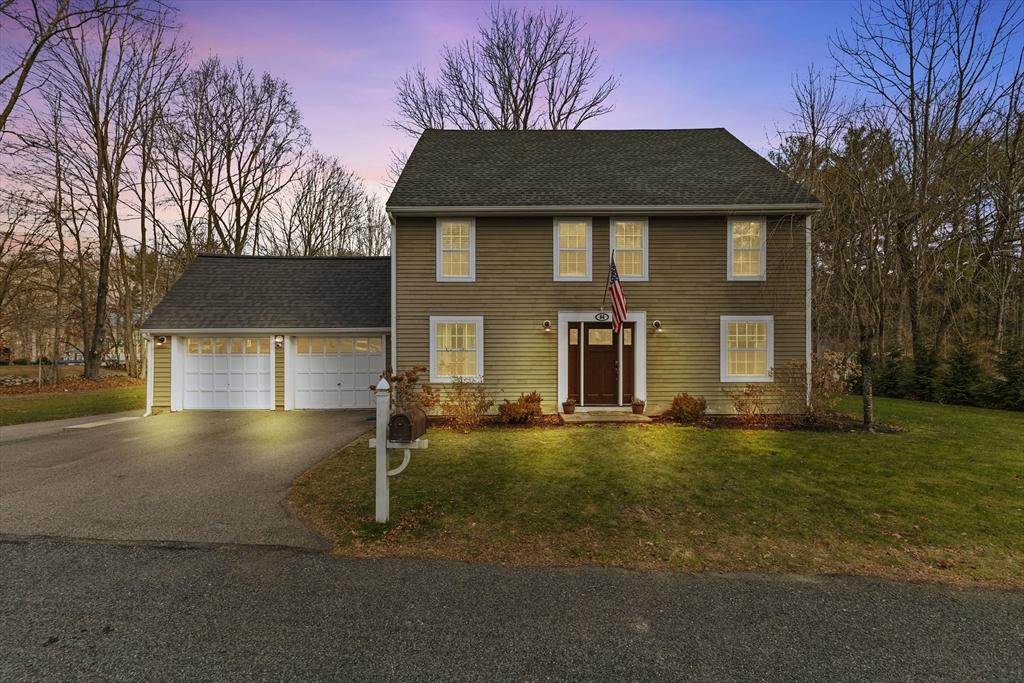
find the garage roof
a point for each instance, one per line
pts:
(277, 293)
(702, 167)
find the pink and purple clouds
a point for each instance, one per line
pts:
(682, 65)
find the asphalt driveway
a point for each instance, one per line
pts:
(208, 477)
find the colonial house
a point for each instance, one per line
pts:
(502, 248)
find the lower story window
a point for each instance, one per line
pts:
(747, 348)
(456, 348)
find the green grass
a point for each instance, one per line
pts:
(21, 408)
(943, 500)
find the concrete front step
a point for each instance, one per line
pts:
(604, 417)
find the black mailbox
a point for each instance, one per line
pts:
(407, 425)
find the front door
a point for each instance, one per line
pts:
(600, 365)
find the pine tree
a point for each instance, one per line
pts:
(959, 383)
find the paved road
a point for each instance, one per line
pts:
(219, 477)
(88, 611)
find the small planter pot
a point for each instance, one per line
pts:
(569, 407)
(638, 407)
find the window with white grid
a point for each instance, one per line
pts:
(629, 242)
(747, 248)
(456, 349)
(456, 249)
(573, 249)
(747, 348)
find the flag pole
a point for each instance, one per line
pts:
(608, 280)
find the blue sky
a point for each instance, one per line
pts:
(682, 64)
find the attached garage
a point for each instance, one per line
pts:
(266, 333)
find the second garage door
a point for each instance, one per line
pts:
(337, 372)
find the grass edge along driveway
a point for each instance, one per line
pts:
(943, 501)
(22, 408)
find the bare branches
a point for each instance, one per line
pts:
(526, 69)
(236, 141)
(40, 24)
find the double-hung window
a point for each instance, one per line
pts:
(456, 250)
(747, 348)
(629, 244)
(747, 238)
(456, 348)
(573, 249)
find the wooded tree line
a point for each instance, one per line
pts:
(125, 162)
(913, 140)
(122, 161)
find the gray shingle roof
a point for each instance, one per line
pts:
(686, 167)
(261, 292)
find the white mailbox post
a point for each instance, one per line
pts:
(381, 444)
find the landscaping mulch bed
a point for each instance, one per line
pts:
(72, 384)
(775, 423)
(552, 420)
(787, 423)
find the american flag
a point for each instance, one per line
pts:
(618, 298)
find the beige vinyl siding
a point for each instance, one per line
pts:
(515, 292)
(279, 378)
(162, 375)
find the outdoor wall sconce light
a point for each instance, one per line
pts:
(161, 340)
(657, 325)
(547, 325)
(279, 341)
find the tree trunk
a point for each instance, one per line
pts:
(867, 378)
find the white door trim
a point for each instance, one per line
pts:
(177, 373)
(639, 350)
(289, 372)
(273, 375)
(149, 374)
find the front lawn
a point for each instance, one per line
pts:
(942, 501)
(35, 407)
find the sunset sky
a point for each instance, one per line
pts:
(682, 65)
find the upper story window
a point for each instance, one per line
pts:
(747, 237)
(456, 249)
(456, 348)
(573, 248)
(747, 347)
(628, 237)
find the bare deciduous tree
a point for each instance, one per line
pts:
(239, 141)
(525, 69)
(320, 213)
(108, 76)
(39, 25)
(938, 72)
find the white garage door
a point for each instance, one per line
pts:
(228, 372)
(337, 372)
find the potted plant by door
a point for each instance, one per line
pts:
(569, 406)
(638, 406)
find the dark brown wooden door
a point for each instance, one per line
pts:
(600, 365)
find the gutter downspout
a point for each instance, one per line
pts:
(394, 294)
(149, 374)
(809, 266)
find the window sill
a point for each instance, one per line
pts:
(451, 380)
(751, 379)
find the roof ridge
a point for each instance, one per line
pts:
(354, 257)
(573, 130)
